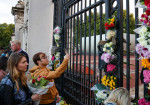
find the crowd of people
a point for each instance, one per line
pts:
(13, 79)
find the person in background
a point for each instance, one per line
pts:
(119, 96)
(41, 61)
(16, 47)
(14, 89)
(4, 54)
(3, 64)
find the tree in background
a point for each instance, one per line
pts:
(6, 31)
(86, 21)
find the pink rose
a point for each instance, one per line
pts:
(38, 79)
(111, 67)
(142, 101)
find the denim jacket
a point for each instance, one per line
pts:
(111, 104)
(23, 97)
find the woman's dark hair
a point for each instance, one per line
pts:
(3, 63)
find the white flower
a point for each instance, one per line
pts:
(101, 95)
(57, 55)
(56, 36)
(104, 49)
(143, 43)
(110, 34)
(143, 29)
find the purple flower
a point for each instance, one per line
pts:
(139, 48)
(147, 55)
(107, 57)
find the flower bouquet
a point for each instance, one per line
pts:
(57, 37)
(39, 85)
(101, 93)
(109, 81)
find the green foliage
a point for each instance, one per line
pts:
(6, 31)
(86, 26)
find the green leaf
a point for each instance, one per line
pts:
(101, 86)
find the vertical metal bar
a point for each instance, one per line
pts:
(120, 43)
(95, 16)
(89, 91)
(77, 39)
(81, 52)
(85, 16)
(128, 45)
(67, 43)
(71, 52)
(100, 17)
(136, 57)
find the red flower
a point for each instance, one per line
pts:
(147, 12)
(33, 81)
(111, 25)
(107, 28)
(142, 15)
(146, 2)
(106, 24)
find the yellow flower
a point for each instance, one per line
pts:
(146, 63)
(110, 88)
(114, 78)
(111, 77)
(113, 87)
(112, 20)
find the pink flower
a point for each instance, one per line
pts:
(146, 80)
(145, 21)
(107, 57)
(111, 67)
(148, 103)
(148, 6)
(53, 57)
(142, 101)
(38, 79)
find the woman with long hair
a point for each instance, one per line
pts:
(119, 96)
(14, 90)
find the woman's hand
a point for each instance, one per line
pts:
(36, 97)
(67, 56)
(57, 99)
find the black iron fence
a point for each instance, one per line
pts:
(83, 26)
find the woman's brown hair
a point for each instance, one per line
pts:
(15, 74)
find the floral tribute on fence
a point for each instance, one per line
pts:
(143, 47)
(108, 51)
(55, 50)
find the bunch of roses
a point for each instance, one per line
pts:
(111, 67)
(143, 101)
(109, 81)
(145, 18)
(110, 24)
(146, 3)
